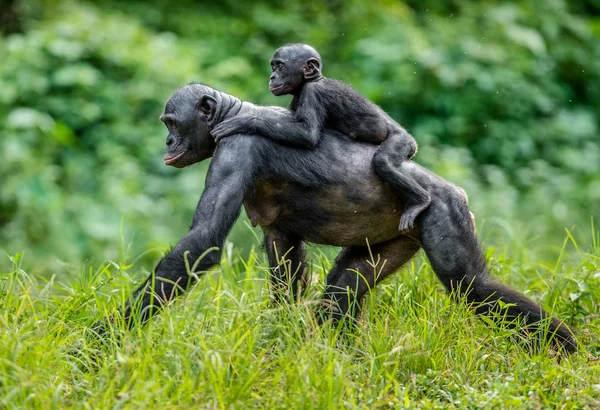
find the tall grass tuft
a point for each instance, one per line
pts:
(225, 345)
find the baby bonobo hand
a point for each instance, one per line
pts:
(229, 127)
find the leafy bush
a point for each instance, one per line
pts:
(81, 147)
(502, 97)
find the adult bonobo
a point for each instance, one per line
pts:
(327, 195)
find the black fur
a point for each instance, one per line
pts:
(323, 102)
(298, 196)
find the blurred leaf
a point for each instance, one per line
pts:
(503, 98)
(24, 118)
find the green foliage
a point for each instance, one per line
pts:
(502, 97)
(80, 94)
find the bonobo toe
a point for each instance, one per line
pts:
(410, 213)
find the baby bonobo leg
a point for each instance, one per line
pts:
(389, 162)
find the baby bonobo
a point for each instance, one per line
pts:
(323, 102)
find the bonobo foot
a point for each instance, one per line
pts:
(339, 316)
(410, 213)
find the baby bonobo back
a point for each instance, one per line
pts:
(349, 112)
(322, 102)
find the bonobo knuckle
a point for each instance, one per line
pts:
(379, 160)
(413, 147)
(312, 142)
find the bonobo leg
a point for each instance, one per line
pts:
(358, 269)
(389, 162)
(288, 267)
(454, 253)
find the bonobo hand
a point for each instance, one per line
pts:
(229, 127)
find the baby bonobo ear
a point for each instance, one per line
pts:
(312, 69)
(208, 106)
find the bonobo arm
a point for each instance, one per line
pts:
(230, 175)
(301, 127)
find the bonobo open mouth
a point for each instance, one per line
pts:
(169, 159)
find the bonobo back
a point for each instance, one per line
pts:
(347, 111)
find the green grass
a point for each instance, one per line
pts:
(224, 345)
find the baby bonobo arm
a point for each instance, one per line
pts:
(300, 128)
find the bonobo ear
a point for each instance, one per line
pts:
(208, 106)
(312, 69)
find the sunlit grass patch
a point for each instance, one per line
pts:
(225, 344)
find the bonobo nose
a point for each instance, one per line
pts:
(170, 140)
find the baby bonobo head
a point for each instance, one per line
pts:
(293, 65)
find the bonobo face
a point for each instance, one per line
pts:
(189, 138)
(292, 65)
(287, 76)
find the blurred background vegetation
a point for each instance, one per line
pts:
(503, 98)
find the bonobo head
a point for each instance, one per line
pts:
(188, 114)
(293, 65)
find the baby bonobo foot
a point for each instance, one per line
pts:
(410, 213)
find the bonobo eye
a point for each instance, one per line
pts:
(280, 66)
(168, 121)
